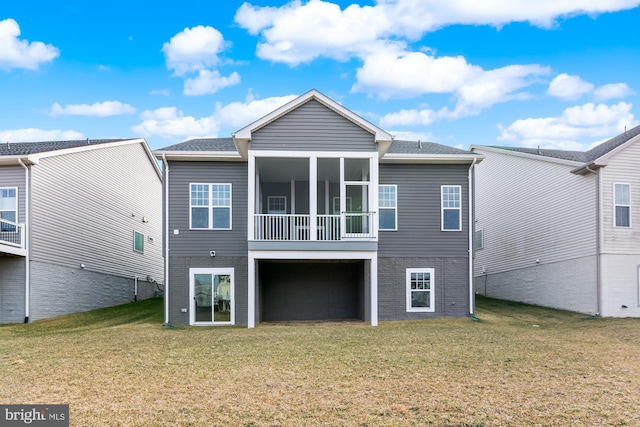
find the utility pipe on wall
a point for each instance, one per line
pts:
(166, 238)
(27, 234)
(471, 218)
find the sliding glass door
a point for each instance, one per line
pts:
(212, 296)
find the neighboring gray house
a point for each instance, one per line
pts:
(561, 228)
(312, 213)
(80, 226)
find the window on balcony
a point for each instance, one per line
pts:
(210, 206)
(8, 209)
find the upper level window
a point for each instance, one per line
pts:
(387, 207)
(277, 204)
(451, 207)
(622, 205)
(8, 208)
(210, 206)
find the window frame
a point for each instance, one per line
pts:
(276, 212)
(394, 208)
(448, 208)
(617, 205)
(478, 239)
(10, 228)
(210, 206)
(432, 293)
(135, 249)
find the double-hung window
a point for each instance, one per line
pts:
(388, 207)
(210, 206)
(451, 216)
(8, 208)
(420, 289)
(622, 205)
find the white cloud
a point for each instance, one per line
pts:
(613, 91)
(409, 118)
(35, 135)
(402, 135)
(577, 123)
(16, 53)
(99, 109)
(193, 49)
(567, 87)
(208, 82)
(296, 33)
(169, 122)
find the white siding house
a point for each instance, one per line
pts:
(561, 228)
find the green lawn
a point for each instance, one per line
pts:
(517, 365)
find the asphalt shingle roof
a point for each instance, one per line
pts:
(204, 144)
(26, 148)
(581, 156)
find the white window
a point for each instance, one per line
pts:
(388, 207)
(138, 242)
(8, 209)
(277, 204)
(420, 289)
(211, 292)
(451, 216)
(210, 206)
(621, 205)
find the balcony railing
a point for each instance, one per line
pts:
(11, 233)
(287, 227)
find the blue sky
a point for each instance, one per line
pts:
(549, 73)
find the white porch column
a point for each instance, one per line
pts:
(251, 293)
(374, 290)
(251, 197)
(313, 198)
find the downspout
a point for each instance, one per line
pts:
(471, 219)
(599, 239)
(166, 238)
(27, 238)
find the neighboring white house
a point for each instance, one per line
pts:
(561, 228)
(80, 226)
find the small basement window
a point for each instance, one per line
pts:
(138, 242)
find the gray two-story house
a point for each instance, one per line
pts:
(80, 226)
(313, 213)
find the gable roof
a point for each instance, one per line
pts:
(32, 152)
(584, 161)
(244, 135)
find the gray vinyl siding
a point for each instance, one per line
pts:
(312, 127)
(87, 205)
(199, 242)
(12, 280)
(419, 215)
(13, 176)
(532, 212)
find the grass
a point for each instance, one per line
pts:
(517, 366)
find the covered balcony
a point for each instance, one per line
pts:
(12, 238)
(314, 199)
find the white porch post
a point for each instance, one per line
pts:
(313, 198)
(251, 197)
(251, 293)
(374, 289)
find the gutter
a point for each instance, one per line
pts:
(27, 240)
(471, 219)
(166, 238)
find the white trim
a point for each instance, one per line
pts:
(430, 158)
(17, 197)
(213, 271)
(166, 238)
(432, 290)
(270, 198)
(442, 208)
(481, 148)
(199, 156)
(313, 198)
(615, 205)
(318, 154)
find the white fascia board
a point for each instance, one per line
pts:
(199, 156)
(15, 160)
(245, 132)
(432, 158)
(481, 148)
(604, 159)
